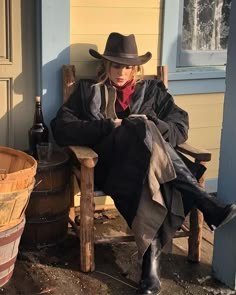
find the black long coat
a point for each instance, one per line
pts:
(123, 153)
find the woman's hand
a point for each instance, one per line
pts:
(117, 122)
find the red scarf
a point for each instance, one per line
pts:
(124, 94)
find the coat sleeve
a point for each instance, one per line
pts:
(74, 123)
(171, 120)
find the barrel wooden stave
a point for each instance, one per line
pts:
(47, 204)
(46, 232)
(47, 213)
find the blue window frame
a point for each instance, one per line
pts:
(203, 32)
(185, 78)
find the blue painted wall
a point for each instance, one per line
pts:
(55, 42)
(224, 257)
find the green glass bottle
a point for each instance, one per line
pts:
(39, 131)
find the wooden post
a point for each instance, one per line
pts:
(87, 220)
(68, 80)
(88, 160)
(68, 86)
(196, 229)
(162, 74)
(195, 235)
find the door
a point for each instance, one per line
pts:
(17, 58)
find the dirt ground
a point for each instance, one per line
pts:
(55, 270)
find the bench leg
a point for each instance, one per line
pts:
(196, 229)
(87, 219)
(72, 200)
(195, 235)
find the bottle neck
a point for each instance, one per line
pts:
(38, 115)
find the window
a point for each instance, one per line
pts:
(185, 73)
(203, 32)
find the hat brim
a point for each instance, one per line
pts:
(136, 61)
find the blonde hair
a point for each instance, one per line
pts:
(104, 69)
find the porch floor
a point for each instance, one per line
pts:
(55, 270)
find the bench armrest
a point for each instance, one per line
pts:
(201, 155)
(85, 155)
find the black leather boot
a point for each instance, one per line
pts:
(150, 282)
(216, 213)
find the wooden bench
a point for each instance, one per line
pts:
(85, 176)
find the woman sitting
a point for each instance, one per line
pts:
(134, 125)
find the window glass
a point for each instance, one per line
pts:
(205, 29)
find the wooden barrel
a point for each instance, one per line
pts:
(47, 213)
(17, 170)
(9, 243)
(13, 206)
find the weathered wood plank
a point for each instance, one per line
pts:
(92, 16)
(85, 155)
(68, 79)
(87, 220)
(115, 4)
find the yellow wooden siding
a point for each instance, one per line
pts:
(205, 117)
(121, 3)
(92, 21)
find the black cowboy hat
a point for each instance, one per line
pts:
(122, 50)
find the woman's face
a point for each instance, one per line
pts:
(120, 74)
